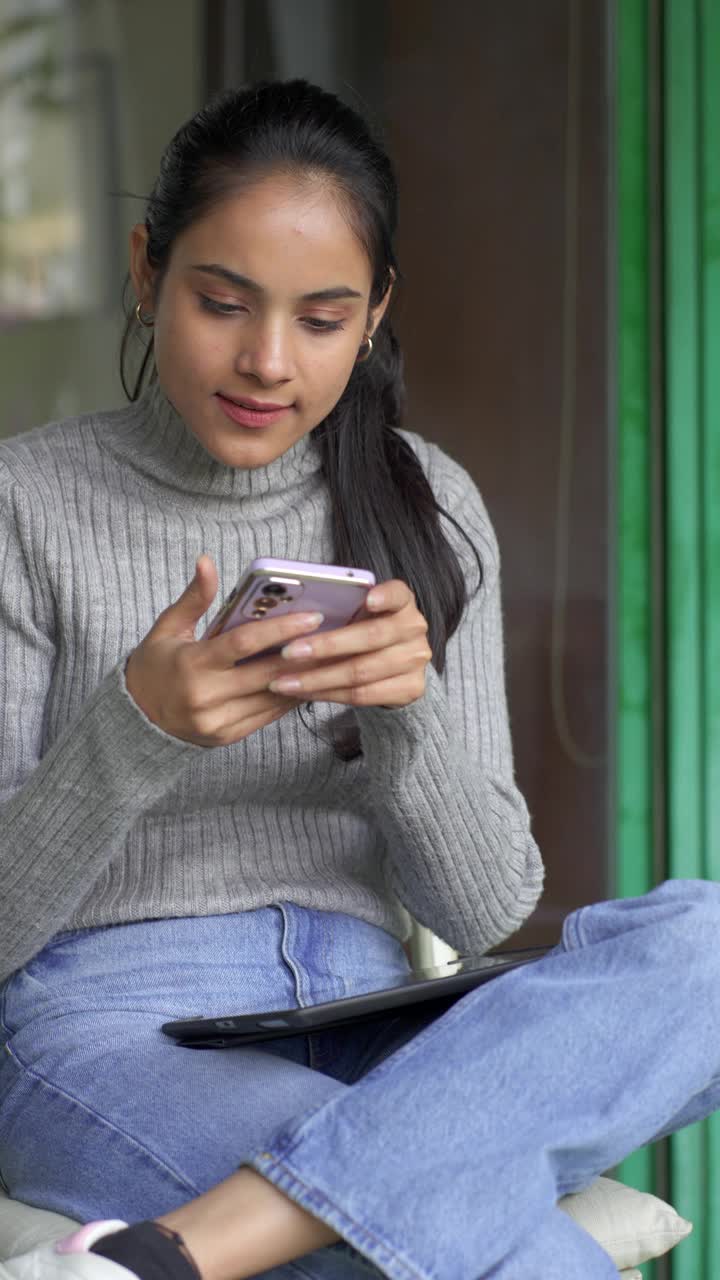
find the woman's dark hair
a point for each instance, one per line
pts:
(385, 516)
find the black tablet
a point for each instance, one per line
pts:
(442, 985)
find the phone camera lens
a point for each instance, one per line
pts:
(275, 589)
(267, 602)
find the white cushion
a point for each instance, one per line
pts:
(632, 1226)
(23, 1228)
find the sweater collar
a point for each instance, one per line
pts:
(152, 438)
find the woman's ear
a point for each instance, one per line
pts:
(376, 314)
(141, 273)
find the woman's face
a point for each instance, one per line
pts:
(265, 300)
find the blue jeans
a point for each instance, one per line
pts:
(436, 1147)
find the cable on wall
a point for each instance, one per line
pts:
(561, 719)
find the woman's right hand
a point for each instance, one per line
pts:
(191, 688)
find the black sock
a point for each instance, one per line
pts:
(151, 1250)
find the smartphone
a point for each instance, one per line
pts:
(271, 588)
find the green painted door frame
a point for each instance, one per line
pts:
(668, 501)
(638, 710)
(692, 339)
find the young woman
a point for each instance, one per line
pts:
(182, 835)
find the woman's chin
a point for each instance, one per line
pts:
(247, 448)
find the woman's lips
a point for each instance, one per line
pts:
(250, 417)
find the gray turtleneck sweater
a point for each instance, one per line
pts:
(106, 819)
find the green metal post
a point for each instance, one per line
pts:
(710, 106)
(692, 217)
(690, 683)
(711, 417)
(634, 754)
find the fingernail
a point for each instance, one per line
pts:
(298, 649)
(375, 600)
(287, 684)
(310, 619)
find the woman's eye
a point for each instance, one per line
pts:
(324, 326)
(233, 308)
(219, 308)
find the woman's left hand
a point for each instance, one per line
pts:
(377, 661)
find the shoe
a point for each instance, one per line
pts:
(69, 1259)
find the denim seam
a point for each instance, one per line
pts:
(571, 926)
(326, 960)
(290, 962)
(6, 1035)
(288, 1176)
(167, 1015)
(317, 1059)
(3, 1006)
(103, 1120)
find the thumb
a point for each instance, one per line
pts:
(179, 619)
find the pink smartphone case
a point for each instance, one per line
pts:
(271, 588)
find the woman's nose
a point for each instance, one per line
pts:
(266, 352)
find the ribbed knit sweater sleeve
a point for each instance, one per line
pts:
(64, 816)
(461, 855)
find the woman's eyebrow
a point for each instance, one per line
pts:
(244, 282)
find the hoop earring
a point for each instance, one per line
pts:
(147, 322)
(362, 358)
